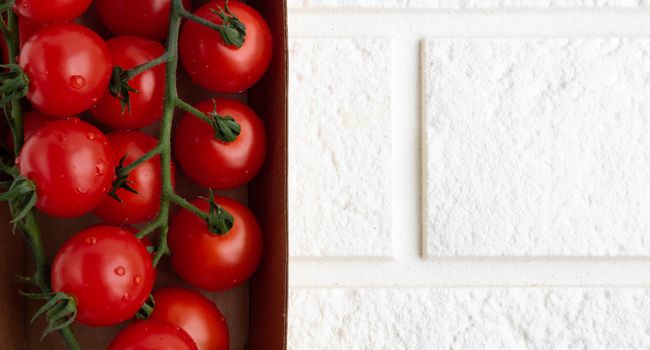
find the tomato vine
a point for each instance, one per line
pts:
(13, 89)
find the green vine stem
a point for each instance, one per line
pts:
(234, 31)
(28, 225)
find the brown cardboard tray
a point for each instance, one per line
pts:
(256, 312)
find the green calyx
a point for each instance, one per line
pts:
(232, 30)
(147, 308)
(226, 129)
(14, 84)
(219, 221)
(60, 310)
(21, 195)
(120, 88)
(121, 181)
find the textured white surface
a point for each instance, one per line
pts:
(465, 4)
(339, 156)
(459, 318)
(537, 147)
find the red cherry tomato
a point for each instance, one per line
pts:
(214, 163)
(72, 166)
(108, 272)
(146, 104)
(51, 10)
(195, 314)
(152, 335)
(68, 66)
(145, 18)
(145, 179)
(217, 66)
(32, 122)
(210, 261)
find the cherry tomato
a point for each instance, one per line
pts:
(217, 66)
(145, 18)
(68, 66)
(72, 166)
(195, 314)
(146, 104)
(32, 122)
(210, 261)
(152, 335)
(51, 10)
(214, 163)
(108, 272)
(145, 179)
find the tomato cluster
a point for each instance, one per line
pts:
(83, 153)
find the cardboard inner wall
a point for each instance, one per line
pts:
(256, 313)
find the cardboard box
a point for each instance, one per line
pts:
(256, 312)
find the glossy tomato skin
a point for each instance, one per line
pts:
(107, 270)
(195, 314)
(214, 163)
(220, 67)
(147, 104)
(69, 67)
(152, 335)
(32, 122)
(209, 261)
(145, 179)
(72, 165)
(145, 18)
(51, 10)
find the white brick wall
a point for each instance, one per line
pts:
(469, 174)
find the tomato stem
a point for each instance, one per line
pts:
(28, 225)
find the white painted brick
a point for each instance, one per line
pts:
(537, 147)
(340, 149)
(466, 4)
(522, 318)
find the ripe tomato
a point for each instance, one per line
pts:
(152, 335)
(72, 166)
(195, 314)
(210, 261)
(217, 66)
(107, 270)
(214, 163)
(145, 18)
(32, 122)
(146, 104)
(69, 67)
(145, 179)
(51, 10)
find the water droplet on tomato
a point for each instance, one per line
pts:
(74, 120)
(100, 168)
(91, 136)
(137, 279)
(91, 240)
(126, 297)
(81, 190)
(77, 82)
(120, 270)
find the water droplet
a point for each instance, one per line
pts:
(81, 190)
(100, 168)
(91, 136)
(77, 82)
(137, 279)
(126, 297)
(120, 270)
(74, 120)
(94, 99)
(17, 160)
(91, 240)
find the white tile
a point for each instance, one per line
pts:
(467, 319)
(340, 148)
(466, 4)
(537, 147)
